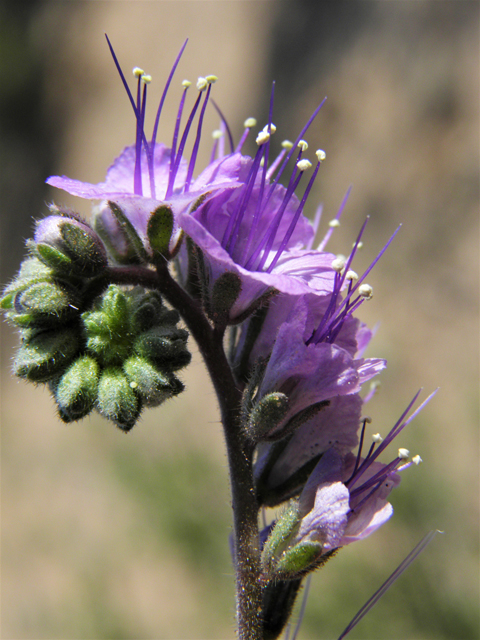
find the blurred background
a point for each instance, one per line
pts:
(107, 536)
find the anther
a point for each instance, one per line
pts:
(273, 128)
(403, 453)
(366, 291)
(351, 275)
(303, 145)
(377, 438)
(217, 134)
(137, 72)
(303, 165)
(262, 137)
(146, 79)
(417, 460)
(249, 123)
(334, 223)
(211, 79)
(186, 84)
(359, 245)
(202, 84)
(321, 155)
(286, 144)
(338, 264)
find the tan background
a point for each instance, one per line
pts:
(112, 536)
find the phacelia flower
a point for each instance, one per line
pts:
(344, 500)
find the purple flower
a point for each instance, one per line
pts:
(343, 500)
(311, 373)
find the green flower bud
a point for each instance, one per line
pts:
(44, 304)
(165, 346)
(76, 391)
(108, 328)
(45, 354)
(117, 400)
(70, 246)
(119, 235)
(151, 385)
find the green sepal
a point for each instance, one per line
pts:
(298, 560)
(116, 400)
(279, 537)
(153, 386)
(54, 258)
(76, 391)
(159, 230)
(225, 292)
(45, 354)
(134, 242)
(266, 415)
(165, 346)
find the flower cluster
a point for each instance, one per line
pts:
(241, 251)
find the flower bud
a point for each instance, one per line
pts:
(117, 400)
(165, 346)
(76, 391)
(69, 246)
(224, 295)
(153, 386)
(44, 304)
(45, 354)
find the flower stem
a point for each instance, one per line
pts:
(239, 452)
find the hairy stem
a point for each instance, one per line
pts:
(239, 451)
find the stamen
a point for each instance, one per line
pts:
(333, 224)
(262, 137)
(193, 156)
(137, 72)
(377, 438)
(321, 155)
(225, 124)
(248, 124)
(173, 152)
(417, 460)
(295, 218)
(304, 165)
(403, 453)
(351, 275)
(302, 145)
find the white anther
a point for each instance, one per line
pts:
(403, 453)
(146, 79)
(366, 291)
(262, 162)
(334, 223)
(377, 438)
(417, 460)
(303, 165)
(351, 275)
(137, 72)
(133, 385)
(211, 79)
(262, 137)
(286, 144)
(303, 145)
(186, 84)
(375, 385)
(217, 134)
(367, 420)
(202, 84)
(249, 123)
(359, 245)
(338, 264)
(273, 128)
(321, 155)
